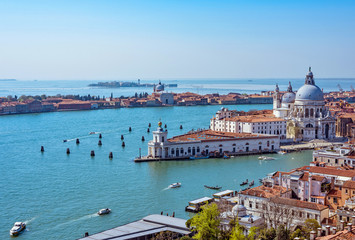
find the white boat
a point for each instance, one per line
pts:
(175, 185)
(104, 211)
(17, 228)
(281, 152)
(265, 158)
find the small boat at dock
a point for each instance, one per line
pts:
(104, 211)
(175, 185)
(281, 152)
(214, 188)
(198, 157)
(244, 183)
(17, 228)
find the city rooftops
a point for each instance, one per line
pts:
(298, 203)
(329, 171)
(210, 135)
(256, 118)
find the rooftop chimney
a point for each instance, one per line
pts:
(350, 226)
(319, 232)
(327, 230)
(313, 235)
(342, 225)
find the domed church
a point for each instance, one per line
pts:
(305, 111)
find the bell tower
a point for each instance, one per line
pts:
(309, 77)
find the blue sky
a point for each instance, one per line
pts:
(175, 39)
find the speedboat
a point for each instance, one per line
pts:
(104, 211)
(17, 228)
(269, 158)
(261, 157)
(281, 152)
(65, 140)
(175, 185)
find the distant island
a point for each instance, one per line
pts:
(118, 84)
(7, 80)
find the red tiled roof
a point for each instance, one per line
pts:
(349, 184)
(329, 171)
(210, 135)
(298, 203)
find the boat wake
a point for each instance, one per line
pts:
(79, 219)
(31, 220)
(167, 188)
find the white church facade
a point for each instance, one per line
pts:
(305, 112)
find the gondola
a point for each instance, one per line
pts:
(214, 188)
(244, 183)
(251, 183)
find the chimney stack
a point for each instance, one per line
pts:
(313, 235)
(327, 230)
(342, 225)
(350, 226)
(319, 232)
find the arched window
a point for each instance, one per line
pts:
(181, 150)
(206, 146)
(260, 143)
(189, 150)
(172, 151)
(247, 144)
(307, 113)
(312, 112)
(309, 125)
(220, 145)
(198, 149)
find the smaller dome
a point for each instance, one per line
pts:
(239, 210)
(160, 88)
(289, 97)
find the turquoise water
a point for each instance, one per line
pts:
(58, 195)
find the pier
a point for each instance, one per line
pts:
(308, 146)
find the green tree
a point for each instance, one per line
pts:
(267, 233)
(282, 233)
(206, 223)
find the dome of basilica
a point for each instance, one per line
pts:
(309, 92)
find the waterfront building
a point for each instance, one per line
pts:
(305, 111)
(256, 124)
(208, 142)
(275, 205)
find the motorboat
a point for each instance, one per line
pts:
(244, 183)
(104, 211)
(281, 152)
(214, 188)
(17, 228)
(65, 140)
(265, 158)
(175, 185)
(93, 133)
(198, 157)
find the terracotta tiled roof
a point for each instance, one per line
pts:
(265, 192)
(256, 118)
(329, 171)
(334, 193)
(349, 184)
(210, 135)
(341, 235)
(298, 203)
(317, 178)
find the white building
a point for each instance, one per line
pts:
(208, 142)
(255, 124)
(305, 111)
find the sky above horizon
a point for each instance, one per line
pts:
(176, 39)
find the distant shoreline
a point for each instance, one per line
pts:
(8, 80)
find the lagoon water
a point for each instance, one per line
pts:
(59, 194)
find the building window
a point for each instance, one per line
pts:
(181, 150)
(156, 139)
(198, 149)
(162, 139)
(335, 200)
(256, 205)
(189, 150)
(346, 191)
(300, 214)
(172, 151)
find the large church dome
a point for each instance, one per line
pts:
(310, 92)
